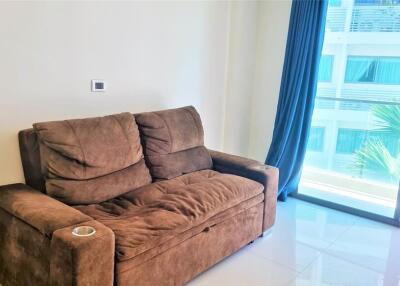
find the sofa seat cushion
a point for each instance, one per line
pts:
(153, 214)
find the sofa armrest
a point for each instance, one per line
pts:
(83, 260)
(268, 176)
(31, 220)
(38, 210)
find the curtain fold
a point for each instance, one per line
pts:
(297, 92)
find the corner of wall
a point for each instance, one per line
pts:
(273, 23)
(239, 76)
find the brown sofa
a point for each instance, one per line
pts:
(164, 208)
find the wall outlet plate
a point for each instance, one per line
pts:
(98, 85)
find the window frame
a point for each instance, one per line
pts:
(374, 81)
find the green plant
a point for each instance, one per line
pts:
(388, 118)
(374, 154)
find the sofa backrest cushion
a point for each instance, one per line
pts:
(30, 157)
(173, 142)
(91, 160)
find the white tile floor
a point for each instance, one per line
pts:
(312, 245)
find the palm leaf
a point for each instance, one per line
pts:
(375, 153)
(388, 118)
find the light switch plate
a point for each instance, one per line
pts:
(98, 85)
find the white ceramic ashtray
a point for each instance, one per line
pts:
(84, 231)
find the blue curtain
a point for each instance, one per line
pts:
(297, 93)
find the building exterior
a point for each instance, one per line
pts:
(359, 70)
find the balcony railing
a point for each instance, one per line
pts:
(355, 99)
(351, 102)
(335, 19)
(365, 19)
(375, 19)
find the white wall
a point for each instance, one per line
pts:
(225, 58)
(153, 55)
(273, 23)
(240, 76)
(256, 53)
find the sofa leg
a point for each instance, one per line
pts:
(266, 233)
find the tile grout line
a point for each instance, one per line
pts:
(319, 250)
(273, 261)
(340, 235)
(323, 250)
(326, 251)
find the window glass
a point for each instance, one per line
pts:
(325, 68)
(353, 152)
(388, 71)
(360, 69)
(349, 140)
(316, 139)
(377, 2)
(390, 141)
(352, 140)
(381, 70)
(335, 3)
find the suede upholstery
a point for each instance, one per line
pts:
(82, 260)
(24, 253)
(164, 245)
(266, 175)
(37, 246)
(173, 142)
(38, 210)
(146, 233)
(30, 157)
(181, 263)
(99, 189)
(153, 214)
(88, 160)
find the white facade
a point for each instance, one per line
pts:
(353, 30)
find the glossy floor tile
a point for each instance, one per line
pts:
(329, 270)
(370, 244)
(312, 245)
(244, 268)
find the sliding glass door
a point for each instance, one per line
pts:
(353, 153)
